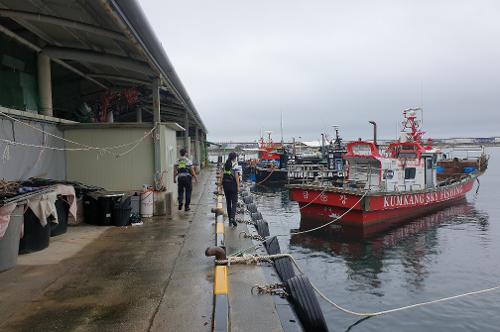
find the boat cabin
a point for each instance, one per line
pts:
(404, 166)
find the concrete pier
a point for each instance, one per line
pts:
(153, 277)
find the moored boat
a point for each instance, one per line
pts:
(272, 164)
(389, 185)
(326, 165)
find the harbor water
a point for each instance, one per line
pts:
(449, 252)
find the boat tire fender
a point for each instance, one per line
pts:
(252, 207)
(306, 304)
(262, 228)
(256, 216)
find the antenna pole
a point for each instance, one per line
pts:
(281, 127)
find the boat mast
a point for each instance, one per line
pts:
(282, 128)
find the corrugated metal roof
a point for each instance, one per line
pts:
(110, 41)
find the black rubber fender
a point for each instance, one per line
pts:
(256, 216)
(306, 304)
(252, 208)
(262, 228)
(272, 246)
(284, 267)
(247, 199)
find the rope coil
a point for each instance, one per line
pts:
(247, 222)
(256, 237)
(271, 289)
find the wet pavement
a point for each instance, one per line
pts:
(143, 278)
(153, 277)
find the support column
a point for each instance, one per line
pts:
(197, 146)
(156, 113)
(138, 115)
(187, 143)
(44, 84)
(111, 117)
(156, 100)
(205, 149)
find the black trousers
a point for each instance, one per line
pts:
(184, 183)
(231, 193)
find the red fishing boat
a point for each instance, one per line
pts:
(393, 184)
(273, 160)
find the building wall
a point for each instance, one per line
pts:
(169, 158)
(19, 162)
(128, 173)
(181, 143)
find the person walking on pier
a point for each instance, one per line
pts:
(183, 176)
(231, 185)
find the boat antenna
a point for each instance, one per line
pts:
(422, 101)
(281, 127)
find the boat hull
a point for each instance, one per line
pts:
(375, 208)
(268, 175)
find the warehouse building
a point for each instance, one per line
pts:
(88, 94)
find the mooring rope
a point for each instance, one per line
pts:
(255, 259)
(315, 198)
(267, 177)
(334, 220)
(301, 232)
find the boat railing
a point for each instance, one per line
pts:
(464, 153)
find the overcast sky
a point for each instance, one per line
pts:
(329, 62)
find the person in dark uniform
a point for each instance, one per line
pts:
(231, 185)
(183, 176)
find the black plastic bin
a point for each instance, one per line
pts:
(62, 208)
(98, 207)
(36, 237)
(121, 212)
(9, 243)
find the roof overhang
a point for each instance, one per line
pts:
(106, 42)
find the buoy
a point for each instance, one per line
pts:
(147, 203)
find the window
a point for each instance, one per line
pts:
(429, 163)
(410, 173)
(407, 155)
(361, 150)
